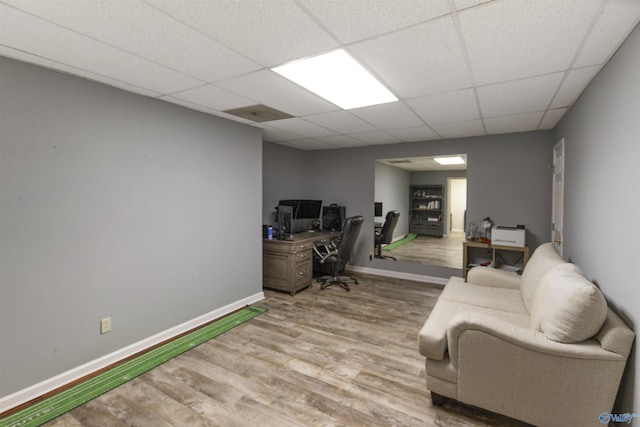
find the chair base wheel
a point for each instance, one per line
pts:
(337, 280)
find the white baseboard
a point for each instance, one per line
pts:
(398, 274)
(53, 383)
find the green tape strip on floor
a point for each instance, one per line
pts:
(394, 245)
(54, 406)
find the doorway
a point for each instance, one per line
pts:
(457, 206)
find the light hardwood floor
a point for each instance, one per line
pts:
(320, 358)
(438, 251)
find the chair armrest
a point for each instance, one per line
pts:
(491, 277)
(523, 338)
(324, 251)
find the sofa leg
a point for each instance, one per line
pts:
(437, 399)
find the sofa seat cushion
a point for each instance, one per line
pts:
(432, 339)
(502, 299)
(567, 307)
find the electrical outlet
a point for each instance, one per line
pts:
(105, 325)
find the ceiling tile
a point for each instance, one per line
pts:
(419, 61)
(203, 109)
(447, 107)
(519, 96)
(270, 89)
(213, 97)
(513, 39)
(210, 56)
(138, 31)
(376, 138)
(269, 32)
(342, 141)
(28, 33)
(47, 63)
(275, 135)
(341, 122)
(308, 144)
(552, 117)
(301, 127)
(355, 20)
(420, 133)
(618, 18)
(460, 129)
(392, 115)
(516, 123)
(573, 85)
(465, 4)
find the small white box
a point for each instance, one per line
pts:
(507, 236)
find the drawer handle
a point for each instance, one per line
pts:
(301, 273)
(303, 255)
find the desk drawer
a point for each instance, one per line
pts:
(304, 273)
(286, 247)
(303, 256)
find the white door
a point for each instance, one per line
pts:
(557, 209)
(457, 203)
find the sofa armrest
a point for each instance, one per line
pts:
(524, 338)
(491, 277)
(520, 373)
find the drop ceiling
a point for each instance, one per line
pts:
(459, 67)
(424, 163)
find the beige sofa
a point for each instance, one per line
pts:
(543, 347)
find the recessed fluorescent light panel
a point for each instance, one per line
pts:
(338, 78)
(457, 160)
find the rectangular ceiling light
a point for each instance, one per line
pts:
(457, 160)
(338, 78)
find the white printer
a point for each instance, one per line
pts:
(508, 236)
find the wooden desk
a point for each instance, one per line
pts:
(493, 251)
(287, 265)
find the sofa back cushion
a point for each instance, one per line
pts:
(567, 307)
(544, 258)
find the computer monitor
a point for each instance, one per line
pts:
(377, 207)
(304, 213)
(285, 221)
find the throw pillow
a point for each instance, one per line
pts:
(567, 307)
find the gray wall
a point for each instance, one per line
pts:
(509, 179)
(602, 195)
(281, 177)
(392, 189)
(114, 204)
(435, 177)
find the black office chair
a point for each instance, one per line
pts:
(385, 235)
(339, 252)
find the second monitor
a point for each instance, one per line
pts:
(304, 213)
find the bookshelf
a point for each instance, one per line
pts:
(427, 210)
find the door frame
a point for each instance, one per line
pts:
(557, 198)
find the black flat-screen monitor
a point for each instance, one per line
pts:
(304, 213)
(303, 209)
(377, 207)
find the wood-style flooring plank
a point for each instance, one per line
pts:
(319, 358)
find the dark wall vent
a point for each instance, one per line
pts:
(258, 113)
